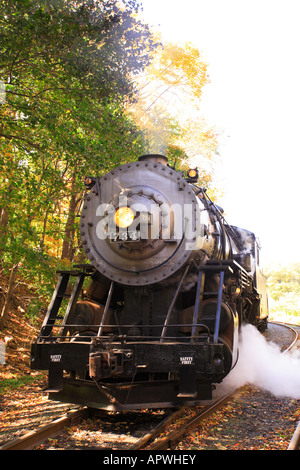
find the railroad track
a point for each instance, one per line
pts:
(178, 424)
(33, 438)
(295, 441)
(295, 329)
(170, 441)
(189, 424)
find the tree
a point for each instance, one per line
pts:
(176, 75)
(67, 66)
(167, 108)
(59, 59)
(284, 291)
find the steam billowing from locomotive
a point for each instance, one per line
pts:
(171, 283)
(262, 364)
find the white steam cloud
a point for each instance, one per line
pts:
(262, 364)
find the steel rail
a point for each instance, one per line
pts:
(295, 441)
(158, 430)
(33, 438)
(173, 437)
(289, 327)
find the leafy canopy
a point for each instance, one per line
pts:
(67, 68)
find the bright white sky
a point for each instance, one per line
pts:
(253, 51)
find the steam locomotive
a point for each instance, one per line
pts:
(154, 319)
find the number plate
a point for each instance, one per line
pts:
(126, 236)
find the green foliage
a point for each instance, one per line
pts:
(284, 280)
(67, 67)
(284, 291)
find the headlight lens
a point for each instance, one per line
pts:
(192, 173)
(124, 217)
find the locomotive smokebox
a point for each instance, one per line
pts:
(140, 223)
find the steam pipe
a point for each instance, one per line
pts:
(198, 302)
(111, 288)
(218, 316)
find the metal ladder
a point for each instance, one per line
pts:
(59, 294)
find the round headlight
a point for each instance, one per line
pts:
(192, 173)
(124, 217)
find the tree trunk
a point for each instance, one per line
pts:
(3, 220)
(68, 243)
(44, 230)
(9, 296)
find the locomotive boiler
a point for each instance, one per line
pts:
(154, 319)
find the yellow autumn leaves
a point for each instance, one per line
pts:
(168, 108)
(181, 67)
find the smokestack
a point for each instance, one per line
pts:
(154, 158)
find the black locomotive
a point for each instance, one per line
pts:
(170, 282)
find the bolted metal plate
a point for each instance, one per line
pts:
(155, 191)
